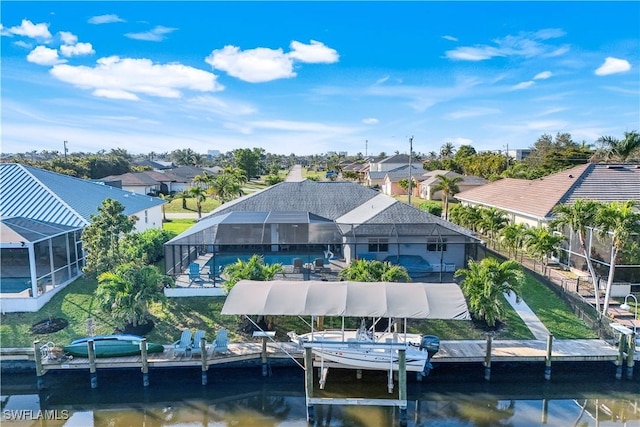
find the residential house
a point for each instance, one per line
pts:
(391, 184)
(532, 201)
(308, 219)
(148, 182)
(430, 180)
(42, 215)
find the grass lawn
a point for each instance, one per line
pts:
(175, 206)
(77, 304)
(177, 225)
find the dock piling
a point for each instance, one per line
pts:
(402, 385)
(487, 359)
(622, 344)
(547, 362)
(93, 375)
(265, 370)
(203, 357)
(631, 347)
(145, 362)
(39, 370)
(308, 383)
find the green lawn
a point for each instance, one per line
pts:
(76, 303)
(177, 225)
(175, 206)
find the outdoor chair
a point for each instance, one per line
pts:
(194, 273)
(183, 345)
(297, 265)
(220, 343)
(197, 337)
(318, 265)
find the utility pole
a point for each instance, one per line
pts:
(410, 156)
(366, 148)
(65, 151)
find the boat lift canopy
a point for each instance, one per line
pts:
(347, 299)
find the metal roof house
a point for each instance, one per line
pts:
(42, 215)
(333, 220)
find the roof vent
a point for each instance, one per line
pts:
(615, 167)
(570, 176)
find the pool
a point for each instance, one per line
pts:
(221, 261)
(14, 285)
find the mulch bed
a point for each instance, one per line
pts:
(141, 330)
(49, 326)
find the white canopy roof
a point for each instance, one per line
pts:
(349, 299)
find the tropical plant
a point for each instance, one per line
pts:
(540, 242)
(363, 270)
(620, 150)
(448, 186)
(128, 291)
(491, 222)
(465, 216)
(200, 194)
(513, 237)
(101, 238)
(616, 221)
(227, 185)
(578, 217)
(485, 282)
(252, 269)
(434, 208)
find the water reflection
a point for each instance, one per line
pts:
(243, 398)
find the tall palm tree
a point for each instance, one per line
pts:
(578, 217)
(491, 222)
(200, 195)
(617, 221)
(466, 216)
(485, 282)
(621, 150)
(447, 150)
(513, 237)
(540, 243)
(449, 187)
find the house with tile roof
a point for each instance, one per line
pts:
(391, 183)
(148, 182)
(430, 179)
(378, 168)
(42, 215)
(308, 219)
(532, 202)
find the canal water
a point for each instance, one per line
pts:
(452, 396)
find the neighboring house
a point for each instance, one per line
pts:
(156, 165)
(190, 172)
(42, 215)
(430, 180)
(148, 182)
(378, 168)
(391, 183)
(532, 201)
(334, 219)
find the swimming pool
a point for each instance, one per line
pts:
(220, 261)
(14, 285)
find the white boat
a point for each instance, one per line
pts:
(365, 349)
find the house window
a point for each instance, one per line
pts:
(146, 217)
(437, 245)
(378, 245)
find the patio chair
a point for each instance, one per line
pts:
(297, 265)
(220, 344)
(318, 265)
(194, 273)
(183, 345)
(197, 337)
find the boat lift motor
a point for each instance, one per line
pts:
(431, 343)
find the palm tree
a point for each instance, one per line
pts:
(127, 292)
(447, 150)
(513, 237)
(485, 282)
(492, 221)
(363, 270)
(621, 150)
(448, 187)
(617, 221)
(466, 216)
(253, 269)
(200, 195)
(578, 217)
(227, 185)
(539, 243)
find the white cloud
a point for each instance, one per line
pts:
(77, 50)
(68, 38)
(450, 38)
(23, 44)
(253, 65)
(31, 30)
(543, 75)
(472, 112)
(523, 85)
(155, 35)
(105, 19)
(316, 53)
(43, 55)
(613, 66)
(125, 78)
(370, 121)
(524, 44)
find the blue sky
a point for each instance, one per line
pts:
(313, 77)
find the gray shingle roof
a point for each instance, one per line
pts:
(60, 199)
